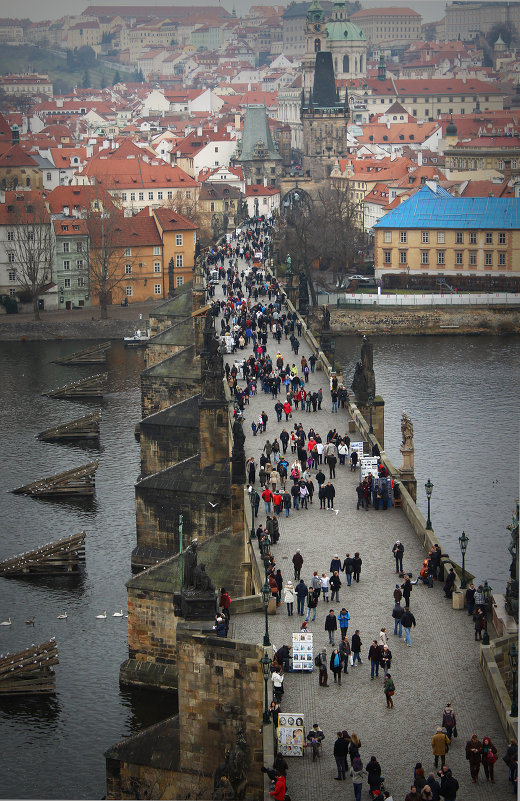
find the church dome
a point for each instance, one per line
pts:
(339, 29)
(451, 130)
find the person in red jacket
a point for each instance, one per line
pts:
(279, 788)
(267, 497)
(225, 602)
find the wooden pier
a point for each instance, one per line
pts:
(94, 354)
(30, 671)
(78, 481)
(91, 387)
(86, 427)
(63, 557)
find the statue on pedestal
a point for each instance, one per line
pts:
(407, 447)
(198, 596)
(212, 372)
(325, 322)
(364, 382)
(512, 584)
(230, 778)
(238, 454)
(288, 266)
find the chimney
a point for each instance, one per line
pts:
(388, 124)
(66, 211)
(419, 158)
(15, 135)
(199, 130)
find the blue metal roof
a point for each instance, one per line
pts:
(438, 209)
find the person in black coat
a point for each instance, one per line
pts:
(356, 566)
(407, 590)
(322, 495)
(398, 552)
(340, 755)
(331, 625)
(330, 494)
(373, 768)
(449, 584)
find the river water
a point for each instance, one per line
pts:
(53, 748)
(461, 393)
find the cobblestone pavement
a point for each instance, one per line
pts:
(442, 664)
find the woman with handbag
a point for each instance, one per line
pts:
(489, 757)
(389, 690)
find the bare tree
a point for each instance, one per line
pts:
(338, 228)
(32, 248)
(108, 255)
(297, 237)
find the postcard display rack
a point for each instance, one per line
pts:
(290, 734)
(302, 649)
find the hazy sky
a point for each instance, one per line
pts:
(53, 9)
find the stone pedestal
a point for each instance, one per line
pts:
(378, 418)
(198, 606)
(410, 482)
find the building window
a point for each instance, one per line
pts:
(169, 194)
(12, 275)
(141, 195)
(500, 165)
(458, 257)
(66, 247)
(81, 281)
(403, 257)
(66, 283)
(489, 237)
(425, 257)
(473, 258)
(10, 258)
(403, 236)
(79, 247)
(132, 196)
(150, 196)
(179, 260)
(501, 238)
(79, 264)
(472, 237)
(387, 236)
(488, 259)
(179, 280)
(157, 289)
(440, 238)
(501, 259)
(440, 257)
(387, 256)
(123, 197)
(188, 195)
(66, 265)
(10, 236)
(129, 291)
(459, 237)
(128, 269)
(178, 240)
(212, 206)
(12, 293)
(157, 250)
(128, 251)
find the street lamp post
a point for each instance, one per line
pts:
(252, 501)
(486, 590)
(332, 352)
(429, 489)
(513, 661)
(463, 542)
(266, 670)
(370, 406)
(266, 595)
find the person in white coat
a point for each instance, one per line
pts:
(288, 596)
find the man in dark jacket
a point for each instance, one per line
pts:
(360, 495)
(331, 625)
(398, 552)
(449, 784)
(408, 621)
(397, 614)
(335, 564)
(320, 478)
(340, 755)
(348, 567)
(407, 590)
(356, 648)
(449, 584)
(335, 584)
(330, 493)
(297, 561)
(301, 590)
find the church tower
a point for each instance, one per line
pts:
(325, 116)
(315, 42)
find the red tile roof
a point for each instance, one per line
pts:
(17, 157)
(18, 205)
(70, 227)
(173, 221)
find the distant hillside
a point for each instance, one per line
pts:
(34, 59)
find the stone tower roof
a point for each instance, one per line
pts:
(257, 142)
(324, 90)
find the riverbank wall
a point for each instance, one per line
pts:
(416, 321)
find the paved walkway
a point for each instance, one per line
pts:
(441, 666)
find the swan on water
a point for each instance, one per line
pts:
(6, 622)
(63, 616)
(103, 616)
(118, 614)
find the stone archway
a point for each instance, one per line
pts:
(295, 198)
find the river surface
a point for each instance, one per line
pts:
(53, 747)
(461, 393)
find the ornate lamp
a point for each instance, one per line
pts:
(266, 672)
(463, 542)
(429, 489)
(266, 595)
(486, 591)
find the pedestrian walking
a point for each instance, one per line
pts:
(358, 774)
(470, 599)
(479, 622)
(347, 568)
(373, 769)
(315, 737)
(336, 665)
(321, 663)
(474, 756)
(374, 654)
(449, 784)
(288, 597)
(312, 603)
(489, 757)
(356, 648)
(297, 561)
(346, 651)
(335, 584)
(331, 625)
(449, 584)
(330, 494)
(408, 620)
(356, 566)
(440, 745)
(407, 590)
(397, 614)
(301, 590)
(383, 638)
(325, 581)
(389, 690)
(343, 620)
(449, 721)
